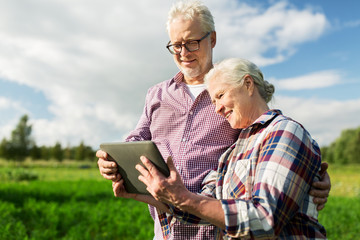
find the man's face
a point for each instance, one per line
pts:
(194, 65)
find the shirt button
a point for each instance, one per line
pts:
(191, 113)
(184, 139)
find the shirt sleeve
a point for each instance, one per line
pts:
(142, 130)
(282, 173)
(209, 186)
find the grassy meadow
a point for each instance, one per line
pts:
(70, 200)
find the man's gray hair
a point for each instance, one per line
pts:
(188, 9)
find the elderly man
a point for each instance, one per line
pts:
(180, 118)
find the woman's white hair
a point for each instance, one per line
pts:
(188, 9)
(233, 71)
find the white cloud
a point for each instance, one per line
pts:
(8, 104)
(266, 35)
(10, 115)
(352, 24)
(310, 81)
(94, 60)
(323, 118)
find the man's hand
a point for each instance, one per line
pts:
(119, 190)
(320, 190)
(108, 169)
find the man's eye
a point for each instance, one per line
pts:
(191, 43)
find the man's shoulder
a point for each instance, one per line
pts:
(167, 84)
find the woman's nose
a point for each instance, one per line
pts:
(219, 107)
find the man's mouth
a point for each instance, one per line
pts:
(187, 61)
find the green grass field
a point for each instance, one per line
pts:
(72, 201)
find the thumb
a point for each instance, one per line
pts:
(323, 168)
(170, 164)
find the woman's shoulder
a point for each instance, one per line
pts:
(286, 126)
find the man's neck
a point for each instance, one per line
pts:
(194, 80)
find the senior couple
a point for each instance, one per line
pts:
(237, 168)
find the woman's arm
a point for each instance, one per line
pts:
(280, 178)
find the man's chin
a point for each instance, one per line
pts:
(190, 73)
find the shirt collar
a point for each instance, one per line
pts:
(267, 116)
(179, 77)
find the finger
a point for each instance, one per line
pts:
(150, 167)
(320, 207)
(143, 171)
(324, 167)
(117, 187)
(323, 185)
(101, 154)
(319, 193)
(145, 181)
(112, 177)
(108, 171)
(171, 164)
(104, 163)
(318, 200)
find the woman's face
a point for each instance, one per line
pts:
(232, 102)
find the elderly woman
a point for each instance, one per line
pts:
(261, 187)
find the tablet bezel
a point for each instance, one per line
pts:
(127, 155)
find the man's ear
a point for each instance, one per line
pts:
(213, 39)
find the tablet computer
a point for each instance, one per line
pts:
(127, 155)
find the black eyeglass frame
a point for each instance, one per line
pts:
(168, 46)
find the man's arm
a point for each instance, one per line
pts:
(320, 190)
(108, 169)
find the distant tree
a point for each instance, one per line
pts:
(83, 152)
(21, 145)
(21, 141)
(80, 152)
(45, 152)
(57, 152)
(68, 153)
(345, 149)
(5, 149)
(35, 152)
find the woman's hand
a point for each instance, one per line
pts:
(165, 189)
(120, 191)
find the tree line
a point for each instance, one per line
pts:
(345, 149)
(21, 145)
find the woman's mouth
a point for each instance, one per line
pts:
(227, 114)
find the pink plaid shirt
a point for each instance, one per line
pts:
(189, 131)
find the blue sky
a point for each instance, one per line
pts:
(81, 69)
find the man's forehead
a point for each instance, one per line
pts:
(182, 29)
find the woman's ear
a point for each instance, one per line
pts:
(249, 84)
(213, 39)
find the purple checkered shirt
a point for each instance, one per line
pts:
(189, 131)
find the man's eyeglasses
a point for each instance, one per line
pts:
(191, 46)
